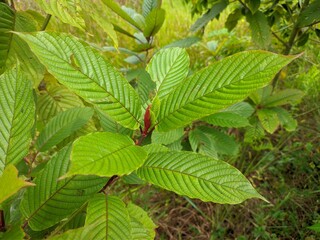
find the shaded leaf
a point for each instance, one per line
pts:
(227, 119)
(167, 137)
(310, 14)
(269, 119)
(286, 119)
(287, 96)
(154, 21)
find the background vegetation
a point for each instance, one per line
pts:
(283, 165)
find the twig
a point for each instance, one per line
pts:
(2, 222)
(111, 181)
(279, 39)
(46, 22)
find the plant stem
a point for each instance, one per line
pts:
(46, 22)
(111, 181)
(2, 222)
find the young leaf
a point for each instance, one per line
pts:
(6, 25)
(107, 218)
(10, 183)
(85, 72)
(105, 154)
(269, 119)
(149, 5)
(142, 227)
(67, 11)
(197, 176)
(216, 9)
(227, 119)
(62, 126)
(261, 33)
(53, 200)
(121, 13)
(167, 137)
(17, 114)
(154, 21)
(183, 43)
(218, 86)
(168, 68)
(287, 96)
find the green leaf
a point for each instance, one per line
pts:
(286, 119)
(168, 68)
(85, 72)
(56, 99)
(233, 19)
(10, 183)
(62, 126)
(67, 11)
(167, 137)
(154, 21)
(287, 96)
(269, 119)
(202, 143)
(105, 154)
(227, 119)
(121, 13)
(253, 5)
(216, 9)
(315, 227)
(149, 5)
(107, 218)
(7, 18)
(183, 43)
(254, 132)
(145, 86)
(17, 114)
(260, 30)
(310, 15)
(13, 232)
(197, 176)
(53, 200)
(243, 109)
(142, 227)
(155, 147)
(218, 86)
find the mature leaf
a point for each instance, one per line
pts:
(145, 86)
(227, 119)
(202, 143)
(183, 43)
(168, 68)
(155, 147)
(310, 15)
(67, 11)
(10, 183)
(121, 13)
(167, 137)
(17, 113)
(243, 109)
(149, 5)
(154, 21)
(85, 72)
(218, 86)
(105, 154)
(287, 96)
(233, 19)
(260, 30)
(269, 119)
(62, 126)
(286, 119)
(52, 199)
(7, 18)
(13, 232)
(197, 176)
(254, 132)
(253, 5)
(55, 99)
(142, 227)
(216, 9)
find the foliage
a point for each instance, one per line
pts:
(73, 125)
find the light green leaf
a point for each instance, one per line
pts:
(227, 119)
(254, 132)
(154, 148)
(260, 30)
(202, 143)
(243, 109)
(142, 227)
(149, 5)
(167, 137)
(13, 232)
(216, 9)
(10, 183)
(168, 68)
(17, 114)
(85, 72)
(7, 18)
(154, 21)
(121, 13)
(310, 15)
(218, 86)
(315, 227)
(197, 176)
(183, 43)
(107, 218)
(269, 119)
(287, 96)
(146, 86)
(55, 99)
(67, 11)
(53, 200)
(62, 126)
(286, 119)
(105, 154)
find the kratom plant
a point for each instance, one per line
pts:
(67, 139)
